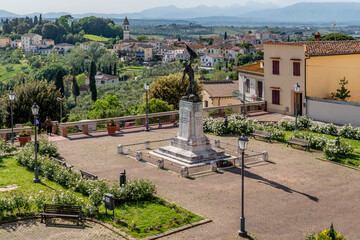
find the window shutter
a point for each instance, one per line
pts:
(276, 67)
(296, 68)
(275, 97)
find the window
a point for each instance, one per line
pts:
(296, 68)
(206, 103)
(247, 85)
(276, 67)
(102, 82)
(276, 97)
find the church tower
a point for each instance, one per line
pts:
(126, 27)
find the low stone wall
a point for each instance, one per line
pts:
(333, 111)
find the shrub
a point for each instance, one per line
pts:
(304, 122)
(349, 131)
(6, 148)
(329, 129)
(333, 152)
(218, 127)
(327, 234)
(315, 142)
(286, 125)
(207, 123)
(141, 190)
(138, 190)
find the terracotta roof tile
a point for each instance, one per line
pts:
(323, 48)
(255, 67)
(221, 89)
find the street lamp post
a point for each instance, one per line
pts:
(243, 142)
(146, 86)
(244, 81)
(296, 89)
(12, 98)
(60, 101)
(35, 112)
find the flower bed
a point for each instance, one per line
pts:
(237, 124)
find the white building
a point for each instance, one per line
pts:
(63, 48)
(210, 60)
(30, 39)
(254, 85)
(103, 79)
(15, 44)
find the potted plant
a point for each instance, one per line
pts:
(24, 137)
(111, 127)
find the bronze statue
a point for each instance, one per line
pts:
(190, 91)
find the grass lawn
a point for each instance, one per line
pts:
(5, 75)
(353, 160)
(96, 38)
(144, 219)
(138, 219)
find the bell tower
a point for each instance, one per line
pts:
(126, 27)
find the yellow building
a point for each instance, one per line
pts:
(316, 66)
(4, 41)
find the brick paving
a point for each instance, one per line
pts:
(33, 229)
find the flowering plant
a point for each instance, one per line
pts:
(23, 133)
(111, 123)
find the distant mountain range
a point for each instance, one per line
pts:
(252, 12)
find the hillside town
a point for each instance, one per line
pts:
(114, 132)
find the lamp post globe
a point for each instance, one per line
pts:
(296, 89)
(146, 86)
(243, 144)
(12, 98)
(35, 111)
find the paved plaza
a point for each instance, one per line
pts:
(286, 198)
(290, 196)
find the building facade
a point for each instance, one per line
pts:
(253, 88)
(30, 39)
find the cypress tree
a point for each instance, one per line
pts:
(115, 70)
(110, 69)
(40, 19)
(75, 88)
(59, 82)
(36, 20)
(92, 81)
(225, 36)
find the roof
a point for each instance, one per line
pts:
(30, 35)
(126, 21)
(220, 89)
(214, 56)
(323, 48)
(64, 45)
(251, 68)
(103, 76)
(1, 37)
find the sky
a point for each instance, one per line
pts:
(123, 6)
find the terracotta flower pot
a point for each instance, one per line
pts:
(112, 130)
(24, 140)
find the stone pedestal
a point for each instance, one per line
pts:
(190, 146)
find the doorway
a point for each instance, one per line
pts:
(299, 103)
(260, 89)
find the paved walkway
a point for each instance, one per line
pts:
(292, 195)
(33, 229)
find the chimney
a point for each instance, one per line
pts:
(317, 36)
(262, 64)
